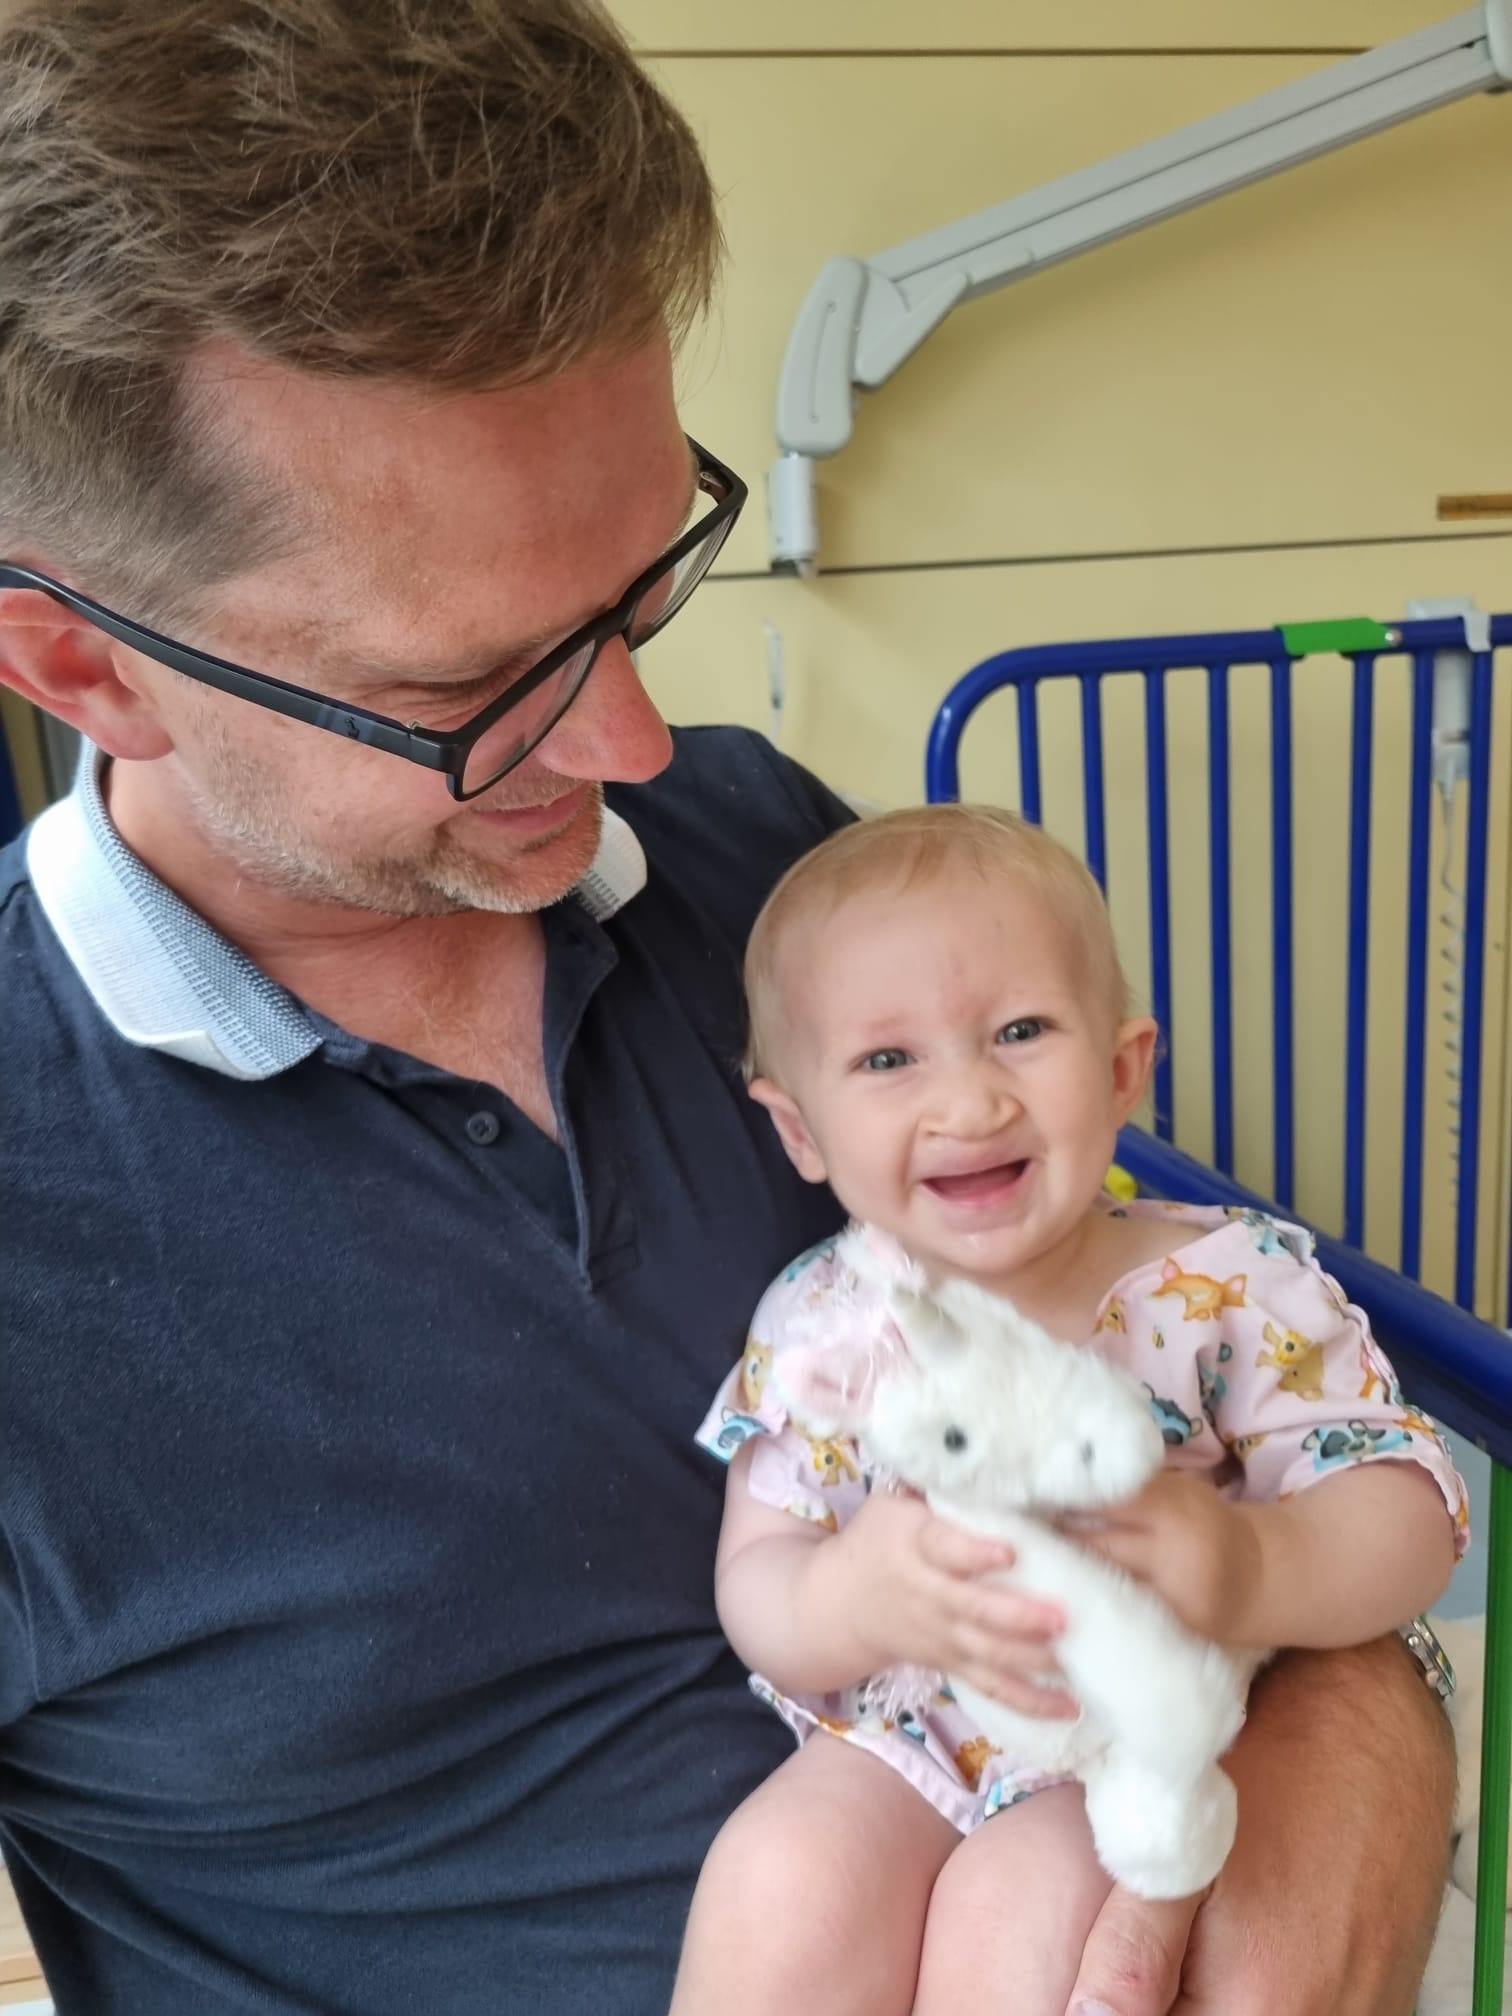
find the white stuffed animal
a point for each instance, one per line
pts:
(1002, 1428)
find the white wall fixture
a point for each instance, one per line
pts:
(862, 319)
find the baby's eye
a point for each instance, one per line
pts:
(1024, 1030)
(885, 1060)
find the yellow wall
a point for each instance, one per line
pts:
(1245, 415)
(18, 724)
(1004, 26)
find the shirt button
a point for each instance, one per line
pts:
(483, 1128)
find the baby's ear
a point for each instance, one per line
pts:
(792, 1129)
(1134, 1045)
(827, 1388)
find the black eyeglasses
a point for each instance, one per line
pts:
(517, 720)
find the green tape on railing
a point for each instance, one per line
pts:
(1496, 1757)
(1344, 634)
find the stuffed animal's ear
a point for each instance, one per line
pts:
(827, 1388)
(929, 1332)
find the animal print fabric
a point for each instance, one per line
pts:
(1260, 1372)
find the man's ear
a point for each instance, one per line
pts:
(67, 667)
(1133, 1059)
(792, 1129)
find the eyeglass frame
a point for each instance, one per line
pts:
(444, 750)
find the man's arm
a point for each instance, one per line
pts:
(1328, 1904)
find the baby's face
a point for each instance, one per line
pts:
(948, 1066)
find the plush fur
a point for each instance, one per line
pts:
(1003, 1429)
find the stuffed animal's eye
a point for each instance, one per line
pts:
(955, 1440)
(1088, 1451)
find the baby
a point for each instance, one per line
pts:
(940, 1031)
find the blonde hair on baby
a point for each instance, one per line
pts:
(898, 849)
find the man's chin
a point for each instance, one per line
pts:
(536, 874)
(450, 876)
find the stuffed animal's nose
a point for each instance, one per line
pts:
(1089, 1453)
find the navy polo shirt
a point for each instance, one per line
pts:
(357, 1641)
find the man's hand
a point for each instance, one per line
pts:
(1328, 1904)
(1202, 1554)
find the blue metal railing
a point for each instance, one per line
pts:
(1453, 1364)
(1420, 803)
(1220, 920)
(1360, 768)
(1216, 655)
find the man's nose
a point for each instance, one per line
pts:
(611, 734)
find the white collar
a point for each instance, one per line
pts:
(164, 978)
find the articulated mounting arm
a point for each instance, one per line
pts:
(863, 318)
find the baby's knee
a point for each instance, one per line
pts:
(833, 1856)
(1018, 1922)
(776, 1858)
(1058, 1899)
(1014, 1877)
(776, 1904)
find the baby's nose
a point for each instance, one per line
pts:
(977, 1101)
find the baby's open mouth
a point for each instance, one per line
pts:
(978, 1185)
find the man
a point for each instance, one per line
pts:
(377, 1212)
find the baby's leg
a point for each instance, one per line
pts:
(813, 1895)
(1011, 1912)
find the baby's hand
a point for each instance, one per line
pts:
(1195, 1549)
(916, 1595)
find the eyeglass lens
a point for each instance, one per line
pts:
(512, 737)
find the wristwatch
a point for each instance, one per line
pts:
(1422, 1642)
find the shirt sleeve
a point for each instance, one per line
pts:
(1298, 1389)
(815, 1478)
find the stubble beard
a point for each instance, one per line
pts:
(249, 821)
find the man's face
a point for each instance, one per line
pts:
(459, 539)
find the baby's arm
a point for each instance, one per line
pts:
(1352, 1557)
(816, 1612)
(764, 1577)
(1352, 1508)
